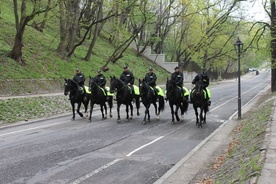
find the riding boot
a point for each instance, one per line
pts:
(105, 90)
(84, 97)
(82, 92)
(207, 97)
(191, 100)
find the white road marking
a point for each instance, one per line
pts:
(145, 145)
(232, 99)
(85, 177)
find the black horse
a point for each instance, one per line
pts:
(199, 101)
(149, 97)
(98, 96)
(75, 96)
(176, 98)
(124, 96)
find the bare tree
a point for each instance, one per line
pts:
(69, 21)
(20, 24)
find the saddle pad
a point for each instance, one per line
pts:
(208, 91)
(136, 90)
(160, 91)
(186, 91)
(86, 88)
(108, 91)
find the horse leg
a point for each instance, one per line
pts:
(196, 113)
(201, 117)
(110, 100)
(172, 112)
(91, 110)
(78, 109)
(148, 112)
(105, 110)
(137, 101)
(102, 111)
(145, 117)
(176, 112)
(85, 104)
(157, 110)
(118, 113)
(73, 109)
(127, 110)
(205, 112)
(131, 110)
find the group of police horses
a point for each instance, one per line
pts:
(94, 94)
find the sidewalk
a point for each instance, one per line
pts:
(268, 174)
(185, 170)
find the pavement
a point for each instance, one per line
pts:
(187, 168)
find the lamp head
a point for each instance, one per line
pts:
(238, 46)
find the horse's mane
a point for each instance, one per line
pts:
(74, 82)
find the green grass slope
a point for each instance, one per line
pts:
(39, 52)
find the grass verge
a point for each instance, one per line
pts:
(241, 160)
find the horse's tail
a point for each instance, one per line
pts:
(161, 103)
(185, 105)
(110, 101)
(137, 101)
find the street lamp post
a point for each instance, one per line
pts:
(239, 47)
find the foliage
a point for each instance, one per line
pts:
(43, 62)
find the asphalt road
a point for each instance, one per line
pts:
(59, 150)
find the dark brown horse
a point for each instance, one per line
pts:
(75, 96)
(149, 97)
(199, 101)
(98, 96)
(124, 96)
(176, 99)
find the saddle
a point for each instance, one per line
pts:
(160, 91)
(185, 91)
(204, 92)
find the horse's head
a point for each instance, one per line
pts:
(198, 87)
(115, 83)
(69, 86)
(143, 86)
(92, 83)
(170, 85)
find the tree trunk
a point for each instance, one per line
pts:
(96, 32)
(16, 52)
(63, 32)
(273, 47)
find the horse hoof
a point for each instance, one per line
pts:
(72, 119)
(172, 122)
(138, 114)
(157, 118)
(118, 121)
(144, 122)
(130, 117)
(126, 120)
(110, 116)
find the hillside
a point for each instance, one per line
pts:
(42, 61)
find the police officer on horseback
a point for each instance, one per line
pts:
(178, 77)
(151, 78)
(100, 79)
(79, 78)
(128, 78)
(204, 77)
